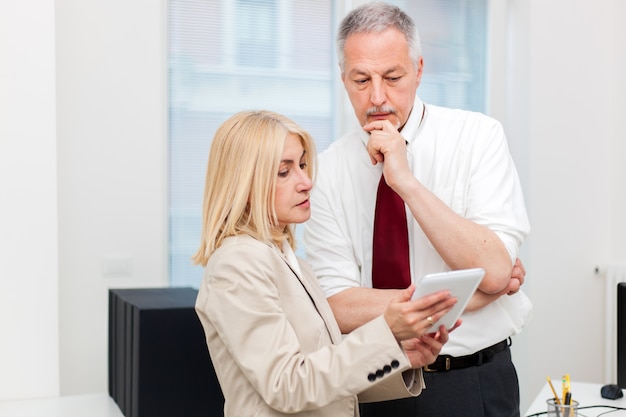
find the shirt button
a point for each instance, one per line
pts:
(395, 364)
(371, 377)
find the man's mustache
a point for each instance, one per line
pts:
(384, 109)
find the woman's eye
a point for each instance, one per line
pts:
(283, 174)
(303, 165)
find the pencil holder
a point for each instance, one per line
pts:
(561, 410)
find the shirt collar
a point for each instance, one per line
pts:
(413, 124)
(290, 257)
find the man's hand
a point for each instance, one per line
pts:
(387, 145)
(517, 277)
(516, 280)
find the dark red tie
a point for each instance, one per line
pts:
(390, 256)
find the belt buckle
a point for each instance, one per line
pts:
(427, 368)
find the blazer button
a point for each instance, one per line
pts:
(395, 364)
(387, 369)
(380, 373)
(371, 377)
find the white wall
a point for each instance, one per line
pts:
(618, 92)
(83, 182)
(561, 100)
(510, 104)
(576, 202)
(28, 202)
(112, 170)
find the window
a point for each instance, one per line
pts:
(454, 45)
(226, 56)
(256, 46)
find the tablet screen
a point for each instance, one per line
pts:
(461, 283)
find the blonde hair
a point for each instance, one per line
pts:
(241, 178)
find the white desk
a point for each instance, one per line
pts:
(91, 405)
(585, 393)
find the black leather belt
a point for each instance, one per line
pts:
(447, 363)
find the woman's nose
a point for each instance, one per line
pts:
(304, 183)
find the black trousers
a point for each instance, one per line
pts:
(489, 390)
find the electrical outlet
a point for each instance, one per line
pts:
(117, 266)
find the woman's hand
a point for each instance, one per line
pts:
(423, 351)
(409, 319)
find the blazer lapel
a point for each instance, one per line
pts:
(322, 306)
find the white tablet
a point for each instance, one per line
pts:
(461, 283)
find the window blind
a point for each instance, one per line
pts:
(225, 56)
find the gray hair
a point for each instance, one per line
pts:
(377, 17)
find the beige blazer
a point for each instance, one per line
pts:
(276, 346)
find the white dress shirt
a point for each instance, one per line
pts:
(460, 156)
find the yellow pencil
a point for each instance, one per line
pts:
(556, 397)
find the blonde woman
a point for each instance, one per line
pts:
(273, 340)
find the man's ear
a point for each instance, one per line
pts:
(420, 69)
